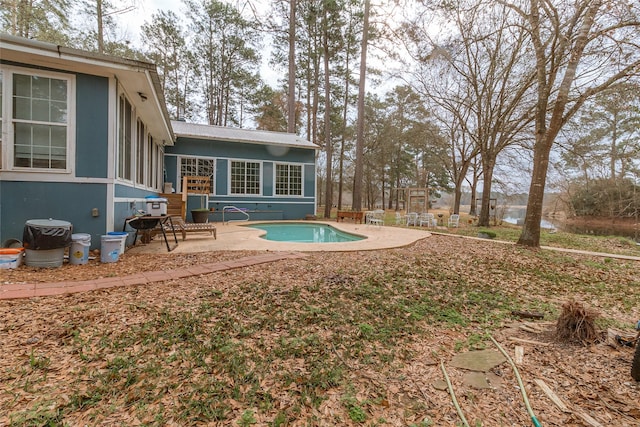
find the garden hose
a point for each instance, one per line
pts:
(453, 396)
(535, 421)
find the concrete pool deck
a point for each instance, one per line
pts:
(240, 237)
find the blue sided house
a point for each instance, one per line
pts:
(86, 138)
(254, 174)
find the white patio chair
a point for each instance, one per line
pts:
(412, 218)
(454, 220)
(375, 217)
(400, 219)
(427, 219)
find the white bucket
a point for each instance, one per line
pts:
(44, 257)
(122, 235)
(79, 251)
(110, 248)
(11, 258)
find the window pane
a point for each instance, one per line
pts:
(39, 87)
(59, 90)
(22, 108)
(22, 134)
(59, 137)
(40, 110)
(58, 112)
(41, 152)
(22, 85)
(41, 135)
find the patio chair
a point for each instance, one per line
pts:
(375, 217)
(412, 218)
(427, 219)
(191, 227)
(454, 220)
(400, 219)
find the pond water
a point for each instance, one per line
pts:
(621, 227)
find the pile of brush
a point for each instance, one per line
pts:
(576, 324)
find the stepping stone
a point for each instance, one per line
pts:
(480, 361)
(440, 385)
(477, 380)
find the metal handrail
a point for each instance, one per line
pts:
(234, 209)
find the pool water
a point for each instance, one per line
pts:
(305, 233)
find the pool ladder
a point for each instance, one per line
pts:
(234, 209)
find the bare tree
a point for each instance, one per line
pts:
(581, 48)
(483, 87)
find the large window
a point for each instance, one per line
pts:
(125, 112)
(193, 166)
(245, 177)
(140, 146)
(151, 167)
(40, 121)
(1, 116)
(288, 180)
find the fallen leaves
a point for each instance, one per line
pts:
(317, 341)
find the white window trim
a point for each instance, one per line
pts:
(7, 119)
(260, 182)
(275, 178)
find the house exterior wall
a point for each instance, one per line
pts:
(90, 185)
(26, 194)
(264, 205)
(92, 126)
(67, 201)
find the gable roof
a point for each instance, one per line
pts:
(220, 133)
(138, 79)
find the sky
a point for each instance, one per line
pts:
(131, 22)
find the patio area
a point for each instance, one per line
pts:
(240, 237)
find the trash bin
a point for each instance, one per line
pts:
(110, 248)
(122, 235)
(45, 240)
(79, 252)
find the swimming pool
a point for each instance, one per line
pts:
(305, 233)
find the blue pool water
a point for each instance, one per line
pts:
(305, 233)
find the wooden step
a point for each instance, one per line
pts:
(175, 205)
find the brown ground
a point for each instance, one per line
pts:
(392, 385)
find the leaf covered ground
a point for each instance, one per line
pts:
(350, 338)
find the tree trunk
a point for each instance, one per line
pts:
(457, 199)
(357, 182)
(100, 27)
(531, 228)
(291, 123)
(327, 121)
(487, 176)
